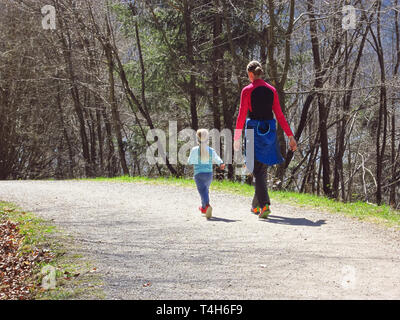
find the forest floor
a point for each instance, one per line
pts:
(149, 241)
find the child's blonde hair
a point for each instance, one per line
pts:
(202, 140)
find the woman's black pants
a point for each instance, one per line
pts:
(261, 197)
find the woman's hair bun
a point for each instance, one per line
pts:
(255, 67)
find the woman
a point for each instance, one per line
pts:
(261, 101)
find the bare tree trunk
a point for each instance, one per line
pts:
(114, 108)
(228, 117)
(65, 132)
(187, 8)
(279, 81)
(217, 56)
(382, 115)
(110, 164)
(321, 102)
(392, 193)
(100, 137)
(236, 59)
(67, 51)
(144, 101)
(338, 169)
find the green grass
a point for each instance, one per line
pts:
(31, 227)
(360, 210)
(38, 233)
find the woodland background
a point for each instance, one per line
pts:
(78, 101)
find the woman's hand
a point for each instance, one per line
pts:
(292, 143)
(236, 145)
(222, 166)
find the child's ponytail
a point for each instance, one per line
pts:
(202, 139)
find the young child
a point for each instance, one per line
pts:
(203, 157)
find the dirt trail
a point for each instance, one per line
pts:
(150, 242)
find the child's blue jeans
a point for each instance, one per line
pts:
(203, 181)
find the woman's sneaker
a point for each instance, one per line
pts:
(203, 210)
(255, 210)
(264, 212)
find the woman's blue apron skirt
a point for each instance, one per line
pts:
(261, 143)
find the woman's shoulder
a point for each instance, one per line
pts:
(270, 86)
(247, 88)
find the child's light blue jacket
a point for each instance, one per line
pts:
(201, 166)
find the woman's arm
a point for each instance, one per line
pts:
(276, 108)
(244, 108)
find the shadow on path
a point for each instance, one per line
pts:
(294, 221)
(222, 219)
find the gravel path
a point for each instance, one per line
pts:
(150, 242)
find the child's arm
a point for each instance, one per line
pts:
(192, 157)
(217, 159)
